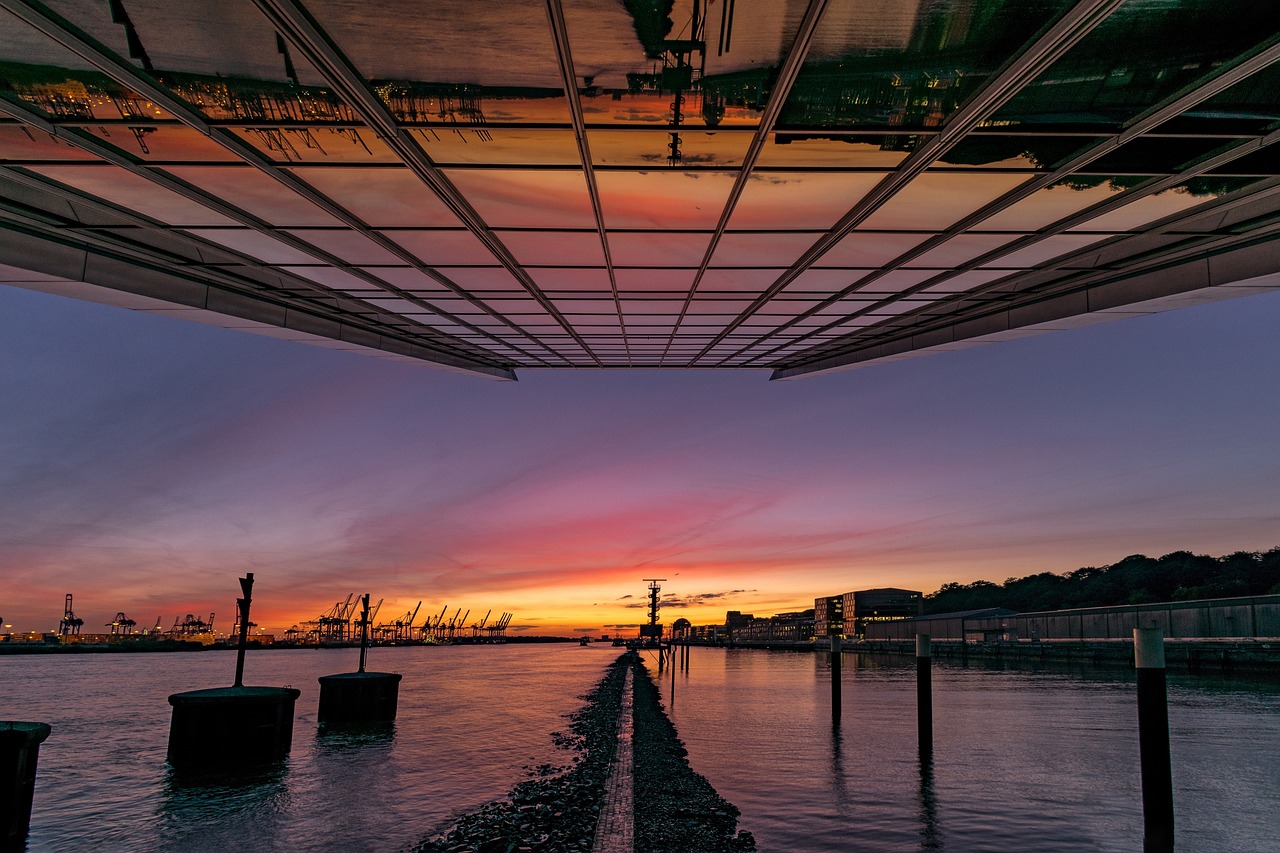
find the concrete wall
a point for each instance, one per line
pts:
(1257, 616)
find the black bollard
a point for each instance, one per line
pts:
(231, 728)
(924, 695)
(836, 654)
(1153, 741)
(359, 697)
(19, 751)
(228, 728)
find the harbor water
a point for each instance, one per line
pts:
(1024, 759)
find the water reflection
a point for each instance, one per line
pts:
(336, 738)
(930, 829)
(195, 806)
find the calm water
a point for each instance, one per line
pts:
(1024, 760)
(471, 719)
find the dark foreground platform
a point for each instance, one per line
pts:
(225, 727)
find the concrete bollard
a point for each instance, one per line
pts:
(230, 727)
(1153, 740)
(924, 694)
(19, 751)
(359, 697)
(836, 654)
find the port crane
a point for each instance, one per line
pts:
(70, 623)
(121, 625)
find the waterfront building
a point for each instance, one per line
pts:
(793, 627)
(849, 614)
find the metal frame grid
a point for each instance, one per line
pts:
(838, 191)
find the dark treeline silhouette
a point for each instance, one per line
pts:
(1180, 576)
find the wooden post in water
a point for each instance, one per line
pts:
(924, 694)
(1153, 741)
(836, 654)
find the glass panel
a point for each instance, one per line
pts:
(463, 144)
(408, 278)
(504, 44)
(799, 199)
(673, 249)
(768, 249)
(847, 152)
(149, 142)
(135, 193)
(754, 281)
(257, 193)
(351, 246)
(557, 280)
(256, 245)
(683, 65)
(1015, 152)
(560, 248)
(666, 199)
(1050, 247)
(382, 198)
(443, 247)
(863, 249)
(1250, 106)
(1152, 207)
(18, 144)
(335, 278)
(667, 281)
(1052, 204)
(318, 144)
(823, 282)
(966, 281)
(527, 199)
(1144, 52)
(176, 37)
(937, 200)
(960, 249)
(907, 64)
(1153, 155)
(482, 279)
(696, 148)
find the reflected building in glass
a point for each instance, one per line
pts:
(798, 187)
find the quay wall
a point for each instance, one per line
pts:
(1253, 617)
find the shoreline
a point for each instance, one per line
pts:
(557, 809)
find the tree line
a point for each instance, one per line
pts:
(1179, 576)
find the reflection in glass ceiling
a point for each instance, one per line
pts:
(797, 186)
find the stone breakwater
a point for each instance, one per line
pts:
(557, 809)
(677, 810)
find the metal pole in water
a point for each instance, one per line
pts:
(835, 676)
(924, 694)
(1153, 740)
(364, 631)
(246, 586)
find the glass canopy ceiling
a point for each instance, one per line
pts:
(800, 186)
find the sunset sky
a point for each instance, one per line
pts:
(147, 462)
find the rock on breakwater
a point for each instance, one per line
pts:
(557, 808)
(677, 810)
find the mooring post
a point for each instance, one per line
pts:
(231, 728)
(19, 754)
(1153, 740)
(924, 694)
(364, 630)
(246, 586)
(836, 654)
